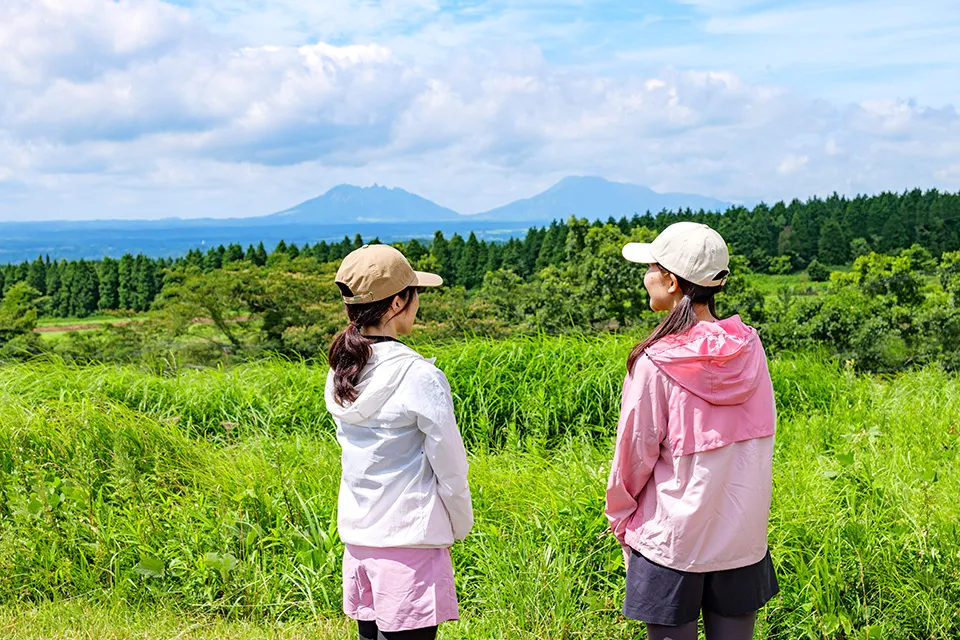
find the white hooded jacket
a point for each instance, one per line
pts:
(404, 478)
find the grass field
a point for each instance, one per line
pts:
(52, 329)
(202, 504)
(772, 285)
(50, 322)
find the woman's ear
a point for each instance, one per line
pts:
(674, 286)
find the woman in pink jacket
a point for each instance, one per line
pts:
(689, 490)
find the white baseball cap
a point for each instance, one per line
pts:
(691, 250)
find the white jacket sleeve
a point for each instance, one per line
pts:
(444, 449)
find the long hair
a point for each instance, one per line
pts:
(681, 318)
(351, 350)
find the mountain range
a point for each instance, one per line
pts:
(390, 214)
(584, 196)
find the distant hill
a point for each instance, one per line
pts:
(584, 196)
(592, 197)
(387, 213)
(346, 203)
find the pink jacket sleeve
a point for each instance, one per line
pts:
(642, 426)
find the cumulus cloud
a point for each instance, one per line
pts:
(229, 99)
(169, 119)
(44, 39)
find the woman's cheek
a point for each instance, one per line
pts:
(649, 284)
(650, 292)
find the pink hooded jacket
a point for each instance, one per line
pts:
(691, 478)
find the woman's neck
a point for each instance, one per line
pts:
(387, 331)
(703, 313)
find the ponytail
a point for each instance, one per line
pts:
(681, 318)
(348, 355)
(351, 350)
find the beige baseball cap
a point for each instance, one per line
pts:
(693, 251)
(378, 271)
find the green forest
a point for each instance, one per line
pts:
(872, 280)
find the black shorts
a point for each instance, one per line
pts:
(662, 596)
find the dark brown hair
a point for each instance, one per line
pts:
(351, 350)
(682, 317)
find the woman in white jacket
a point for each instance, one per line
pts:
(404, 497)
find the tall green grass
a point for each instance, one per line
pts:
(506, 391)
(85, 619)
(212, 495)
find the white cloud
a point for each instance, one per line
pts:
(792, 164)
(40, 39)
(173, 121)
(949, 175)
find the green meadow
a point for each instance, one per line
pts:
(166, 503)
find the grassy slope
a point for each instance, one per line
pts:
(95, 319)
(118, 485)
(57, 328)
(90, 620)
(771, 285)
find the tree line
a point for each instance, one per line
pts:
(782, 238)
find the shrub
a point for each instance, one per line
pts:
(817, 271)
(781, 265)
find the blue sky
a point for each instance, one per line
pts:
(145, 108)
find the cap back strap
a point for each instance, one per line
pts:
(360, 299)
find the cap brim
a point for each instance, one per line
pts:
(425, 279)
(638, 252)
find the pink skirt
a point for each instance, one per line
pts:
(399, 588)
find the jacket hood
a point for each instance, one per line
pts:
(379, 380)
(722, 362)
